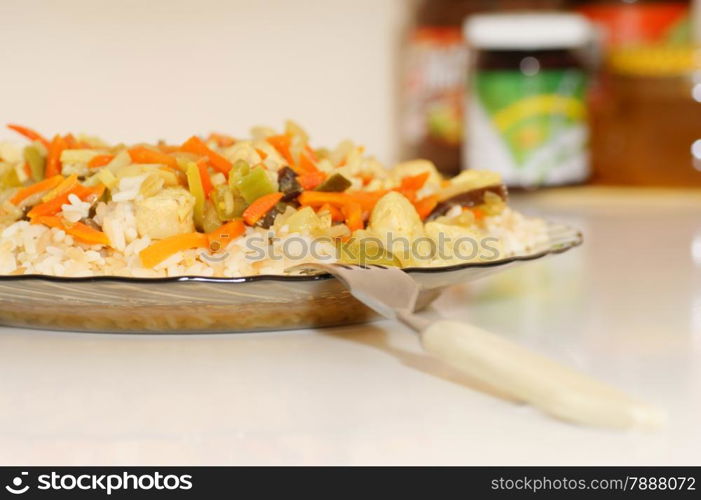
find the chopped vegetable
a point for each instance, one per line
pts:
(39, 187)
(336, 214)
(337, 183)
(287, 183)
(282, 144)
(53, 206)
(425, 206)
(353, 213)
(68, 183)
(100, 161)
(194, 182)
(220, 238)
(53, 161)
(414, 182)
(30, 134)
(227, 203)
(205, 178)
(195, 145)
(159, 251)
(260, 207)
(80, 231)
(36, 161)
(210, 220)
(145, 155)
(255, 184)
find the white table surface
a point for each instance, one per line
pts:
(625, 307)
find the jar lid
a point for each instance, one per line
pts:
(527, 31)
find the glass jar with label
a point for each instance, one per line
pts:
(526, 111)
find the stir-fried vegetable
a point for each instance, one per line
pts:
(81, 232)
(205, 193)
(260, 207)
(36, 161)
(255, 184)
(30, 134)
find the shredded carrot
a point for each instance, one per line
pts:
(260, 207)
(30, 134)
(141, 154)
(478, 213)
(306, 163)
(310, 151)
(195, 145)
(353, 213)
(100, 161)
(336, 214)
(282, 144)
(222, 140)
(205, 178)
(27, 170)
(53, 206)
(414, 182)
(220, 238)
(53, 160)
(71, 142)
(310, 180)
(366, 199)
(320, 198)
(159, 251)
(366, 177)
(80, 231)
(66, 184)
(46, 185)
(425, 206)
(263, 155)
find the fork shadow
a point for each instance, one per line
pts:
(377, 338)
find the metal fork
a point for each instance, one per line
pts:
(525, 375)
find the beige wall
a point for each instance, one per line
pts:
(130, 70)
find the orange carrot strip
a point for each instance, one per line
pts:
(141, 154)
(260, 207)
(53, 161)
(220, 238)
(354, 216)
(205, 178)
(80, 231)
(336, 214)
(195, 145)
(100, 161)
(425, 206)
(282, 144)
(159, 251)
(53, 206)
(414, 182)
(478, 213)
(320, 198)
(46, 185)
(27, 170)
(66, 184)
(263, 155)
(30, 134)
(310, 180)
(306, 163)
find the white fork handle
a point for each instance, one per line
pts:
(532, 378)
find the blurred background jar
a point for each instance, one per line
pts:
(527, 98)
(434, 62)
(646, 104)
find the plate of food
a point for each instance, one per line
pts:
(202, 236)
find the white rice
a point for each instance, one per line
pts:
(36, 249)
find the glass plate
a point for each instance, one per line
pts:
(198, 304)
